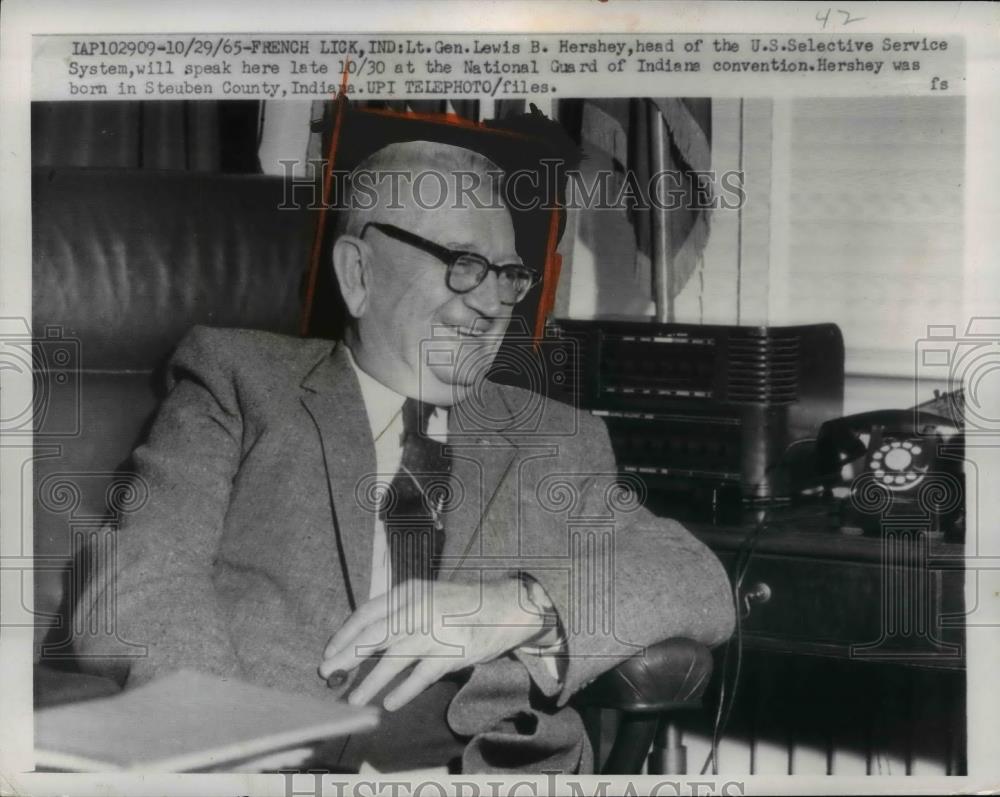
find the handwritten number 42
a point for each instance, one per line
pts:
(825, 17)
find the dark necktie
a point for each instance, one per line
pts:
(416, 499)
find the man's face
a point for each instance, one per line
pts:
(437, 342)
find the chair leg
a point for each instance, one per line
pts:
(632, 741)
(669, 756)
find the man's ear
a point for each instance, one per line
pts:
(350, 264)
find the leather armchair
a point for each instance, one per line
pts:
(647, 689)
(124, 263)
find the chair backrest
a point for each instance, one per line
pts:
(123, 264)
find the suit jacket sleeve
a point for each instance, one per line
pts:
(628, 579)
(159, 584)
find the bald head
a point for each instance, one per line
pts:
(403, 182)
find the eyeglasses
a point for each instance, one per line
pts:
(466, 270)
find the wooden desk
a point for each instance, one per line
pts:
(895, 598)
(859, 646)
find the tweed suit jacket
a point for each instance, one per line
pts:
(254, 544)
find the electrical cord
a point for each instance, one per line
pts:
(741, 565)
(744, 556)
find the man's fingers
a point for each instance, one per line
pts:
(399, 625)
(379, 607)
(382, 673)
(369, 641)
(369, 612)
(426, 673)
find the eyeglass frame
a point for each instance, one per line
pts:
(451, 256)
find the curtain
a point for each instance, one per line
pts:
(205, 136)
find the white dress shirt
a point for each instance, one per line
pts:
(385, 418)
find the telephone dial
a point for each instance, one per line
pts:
(898, 466)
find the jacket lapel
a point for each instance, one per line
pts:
(332, 396)
(482, 455)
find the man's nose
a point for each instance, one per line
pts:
(485, 297)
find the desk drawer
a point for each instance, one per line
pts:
(852, 609)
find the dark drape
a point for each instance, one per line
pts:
(203, 136)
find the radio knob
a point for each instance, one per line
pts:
(758, 593)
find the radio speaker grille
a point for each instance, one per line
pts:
(763, 369)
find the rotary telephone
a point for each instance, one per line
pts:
(898, 466)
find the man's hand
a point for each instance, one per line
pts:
(439, 626)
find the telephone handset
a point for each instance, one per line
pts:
(895, 464)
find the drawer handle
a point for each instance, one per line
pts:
(758, 593)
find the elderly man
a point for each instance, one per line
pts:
(375, 521)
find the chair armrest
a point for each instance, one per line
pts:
(669, 675)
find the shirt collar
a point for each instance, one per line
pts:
(382, 403)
